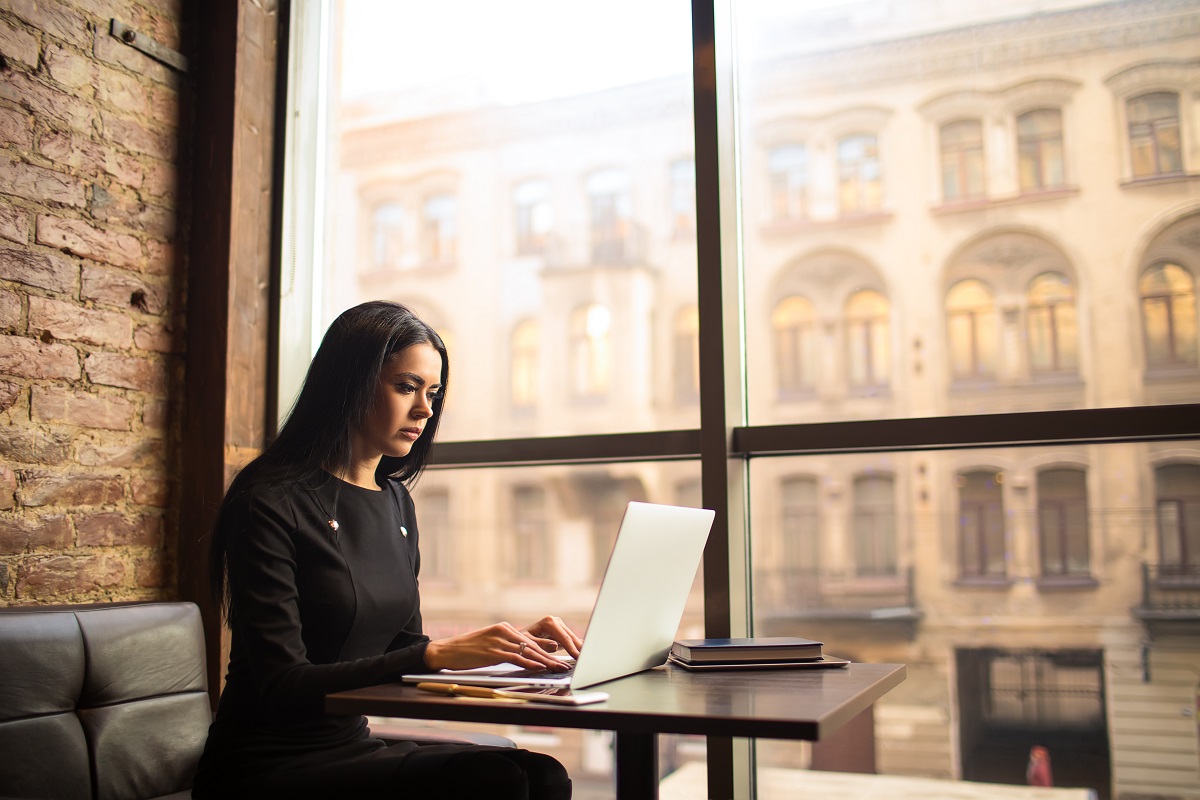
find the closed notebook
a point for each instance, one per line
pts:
(728, 651)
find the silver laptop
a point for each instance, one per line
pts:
(637, 612)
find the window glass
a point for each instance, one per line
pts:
(860, 189)
(962, 160)
(1063, 521)
(683, 198)
(788, 167)
(534, 216)
(525, 375)
(1154, 134)
(1053, 333)
(794, 325)
(868, 339)
(1168, 294)
(1040, 149)
(971, 330)
(686, 356)
(1177, 487)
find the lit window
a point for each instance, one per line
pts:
(788, 168)
(590, 327)
(981, 525)
(436, 550)
(1040, 149)
(971, 334)
(387, 235)
(439, 238)
(860, 189)
(800, 527)
(793, 324)
(1177, 487)
(868, 338)
(1154, 134)
(1168, 295)
(683, 197)
(874, 525)
(962, 160)
(611, 217)
(1053, 331)
(686, 355)
(1063, 521)
(530, 557)
(525, 364)
(531, 206)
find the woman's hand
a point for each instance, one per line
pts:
(502, 642)
(554, 630)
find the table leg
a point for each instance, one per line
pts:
(637, 765)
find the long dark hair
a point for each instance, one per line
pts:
(333, 403)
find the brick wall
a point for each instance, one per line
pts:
(91, 299)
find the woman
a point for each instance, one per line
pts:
(314, 558)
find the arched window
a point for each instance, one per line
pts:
(525, 365)
(874, 525)
(1040, 149)
(1154, 142)
(793, 324)
(1050, 318)
(530, 554)
(981, 525)
(868, 338)
(1062, 504)
(611, 212)
(1168, 296)
(387, 236)
(1177, 490)
(860, 186)
(589, 332)
(439, 238)
(787, 166)
(686, 356)
(971, 330)
(962, 160)
(534, 216)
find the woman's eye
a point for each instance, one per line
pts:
(405, 388)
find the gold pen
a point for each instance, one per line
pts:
(459, 690)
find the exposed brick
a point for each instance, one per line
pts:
(150, 491)
(113, 51)
(125, 208)
(75, 236)
(160, 257)
(24, 444)
(10, 309)
(16, 129)
(8, 488)
(72, 151)
(161, 179)
(4, 580)
(138, 138)
(46, 101)
(40, 184)
(68, 575)
(9, 390)
(18, 535)
(126, 372)
(164, 106)
(69, 70)
(18, 45)
(40, 488)
(54, 18)
(121, 91)
(29, 358)
(73, 323)
(122, 288)
(14, 223)
(82, 409)
(49, 271)
(150, 572)
(158, 338)
(126, 169)
(111, 528)
(141, 452)
(154, 416)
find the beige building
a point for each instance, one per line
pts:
(984, 216)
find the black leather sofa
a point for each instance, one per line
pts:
(111, 702)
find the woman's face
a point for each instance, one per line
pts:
(408, 385)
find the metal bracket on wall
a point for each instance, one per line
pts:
(141, 41)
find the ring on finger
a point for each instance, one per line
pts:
(521, 651)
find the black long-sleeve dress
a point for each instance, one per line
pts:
(318, 607)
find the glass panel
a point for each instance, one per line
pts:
(958, 130)
(507, 175)
(518, 543)
(1017, 572)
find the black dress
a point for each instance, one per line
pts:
(318, 608)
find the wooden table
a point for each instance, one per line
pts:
(773, 704)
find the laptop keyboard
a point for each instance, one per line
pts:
(541, 672)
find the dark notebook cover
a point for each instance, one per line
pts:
(772, 648)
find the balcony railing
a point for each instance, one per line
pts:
(1170, 599)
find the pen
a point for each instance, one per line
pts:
(458, 690)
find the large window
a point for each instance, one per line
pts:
(945, 413)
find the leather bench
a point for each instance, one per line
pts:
(111, 702)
